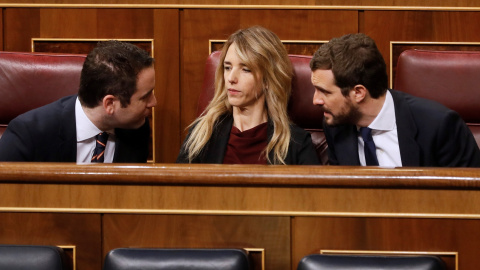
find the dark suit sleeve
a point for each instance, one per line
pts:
(214, 150)
(456, 145)
(16, 142)
(132, 145)
(307, 154)
(183, 155)
(332, 158)
(302, 151)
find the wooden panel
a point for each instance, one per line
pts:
(198, 26)
(181, 231)
(20, 25)
(96, 23)
(79, 230)
(247, 3)
(386, 26)
(125, 23)
(310, 235)
(81, 46)
(68, 23)
(241, 200)
(236, 189)
(290, 211)
(167, 85)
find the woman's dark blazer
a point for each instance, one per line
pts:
(300, 150)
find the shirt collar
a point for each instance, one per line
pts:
(85, 128)
(385, 120)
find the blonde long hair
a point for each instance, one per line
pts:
(263, 52)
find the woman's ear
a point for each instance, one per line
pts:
(108, 103)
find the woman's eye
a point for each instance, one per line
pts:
(246, 70)
(226, 67)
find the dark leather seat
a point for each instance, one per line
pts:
(301, 110)
(176, 259)
(357, 262)
(448, 77)
(20, 257)
(31, 80)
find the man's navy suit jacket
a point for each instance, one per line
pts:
(48, 134)
(429, 135)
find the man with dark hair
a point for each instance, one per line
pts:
(366, 123)
(106, 122)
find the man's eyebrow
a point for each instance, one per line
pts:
(147, 94)
(319, 88)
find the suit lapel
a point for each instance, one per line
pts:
(271, 155)
(67, 134)
(219, 141)
(346, 145)
(118, 146)
(123, 150)
(407, 131)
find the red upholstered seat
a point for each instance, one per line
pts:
(451, 78)
(31, 80)
(301, 109)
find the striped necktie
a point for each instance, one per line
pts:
(98, 153)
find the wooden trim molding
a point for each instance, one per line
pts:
(257, 190)
(241, 175)
(257, 251)
(72, 249)
(226, 6)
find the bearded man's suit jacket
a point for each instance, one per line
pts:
(429, 134)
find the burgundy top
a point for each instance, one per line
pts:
(247, 147)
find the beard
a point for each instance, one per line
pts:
(349, 114)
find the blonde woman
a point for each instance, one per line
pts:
(246, 122)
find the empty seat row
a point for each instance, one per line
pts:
(21, 257)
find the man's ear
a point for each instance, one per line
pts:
(359, 93)
(108, 103)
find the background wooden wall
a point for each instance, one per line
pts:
(181, 35)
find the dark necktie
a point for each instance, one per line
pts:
(101, 141)
(369, 147)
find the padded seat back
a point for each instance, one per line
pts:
(31, 80)
(301, 110)
(176, 259)
(448, 77)
(19, 257)
(351, 262)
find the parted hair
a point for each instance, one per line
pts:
(354, 59)
(112, 68)
(261, 51)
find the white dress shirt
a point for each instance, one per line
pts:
(86, 132)
(385, 136)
